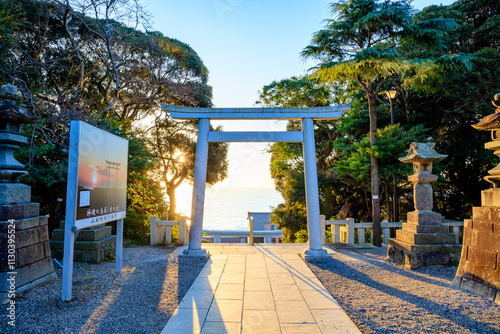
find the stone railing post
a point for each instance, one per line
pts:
(168, 234)
(323, 229)
(387, 235)
(153, 230)
(456, 232)
(335, 229)
(350, 231)
(361, 236)
(168, 229)
(183, 230)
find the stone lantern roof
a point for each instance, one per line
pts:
(422, 152)
(9, 111)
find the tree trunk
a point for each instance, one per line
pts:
(172, 202)
(372, 108)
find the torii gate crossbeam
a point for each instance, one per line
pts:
(306, 136)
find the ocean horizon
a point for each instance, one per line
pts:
(227, 208)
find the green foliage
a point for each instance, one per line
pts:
(290, 218)
(443, 60)
(295, 92)
(393, 141)
(11, 19)
(174, 147)
(72, 63)
(301, 237)
(360, 45)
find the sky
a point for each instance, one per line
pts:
(246, 44)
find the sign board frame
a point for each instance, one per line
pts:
(90, 144)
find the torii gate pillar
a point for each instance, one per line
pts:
(312, 195)
(306, 136)
(200, 178)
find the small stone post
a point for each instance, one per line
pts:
(479, 268)
(183, 230)
(26, 261)
(423, 240)
(322, 219)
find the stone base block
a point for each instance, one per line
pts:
(414, 228)
(418, 256)
(311, 254)
(423, 217)
(4, 295)
(425, 238)
(25, 256)
(479, 268)
(28, 274)
(479, 288)
(24, 224)
(87, 251)
(25, 238)
(88, 234)
(19, 211)
(196, 252)
(14, 193)
(490, 197)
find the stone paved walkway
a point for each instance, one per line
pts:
(260, 288)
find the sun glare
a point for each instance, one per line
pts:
(184, 196)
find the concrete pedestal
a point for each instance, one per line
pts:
(423, 242)
(94, 244)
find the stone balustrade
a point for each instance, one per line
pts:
(244, 236)
(161, 230)
(343, 231)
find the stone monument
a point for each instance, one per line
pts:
(25, 258)
(423, 240)
(479, 268)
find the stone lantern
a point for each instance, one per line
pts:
(423, 240)
(492, 123)
(422, 155)
(479, 268)
(11, 119)
(29, 258)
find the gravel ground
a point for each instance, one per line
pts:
(383, 297)
(140, 300)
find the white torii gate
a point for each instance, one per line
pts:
(306, 136)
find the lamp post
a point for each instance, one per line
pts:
(391, 94)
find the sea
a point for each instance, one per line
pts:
(227, 208)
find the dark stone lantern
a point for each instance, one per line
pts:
(32, 262)
(12, 117)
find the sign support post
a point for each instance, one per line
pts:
(69, 234)
(119, 245)
(90, 201)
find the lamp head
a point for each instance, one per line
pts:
(391, 93)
